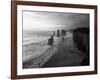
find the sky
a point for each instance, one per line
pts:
(51, 21)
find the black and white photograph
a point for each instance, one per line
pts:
(55, 39)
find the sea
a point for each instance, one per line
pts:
(35, 44)
(32, 37)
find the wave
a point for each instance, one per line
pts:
(34, 50)
(34, 40)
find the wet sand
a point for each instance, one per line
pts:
(67, 55)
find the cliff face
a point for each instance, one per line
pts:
(81, 39)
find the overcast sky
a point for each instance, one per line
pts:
(49, 21)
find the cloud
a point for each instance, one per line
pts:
(51, 21)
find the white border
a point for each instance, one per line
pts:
(21, 71)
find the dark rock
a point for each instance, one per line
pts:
(50, 41)
(81, 39)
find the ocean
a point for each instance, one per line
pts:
(34, 44)
(30, 37)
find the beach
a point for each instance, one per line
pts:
(62, 53)
(37, 53)
(67, 55)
